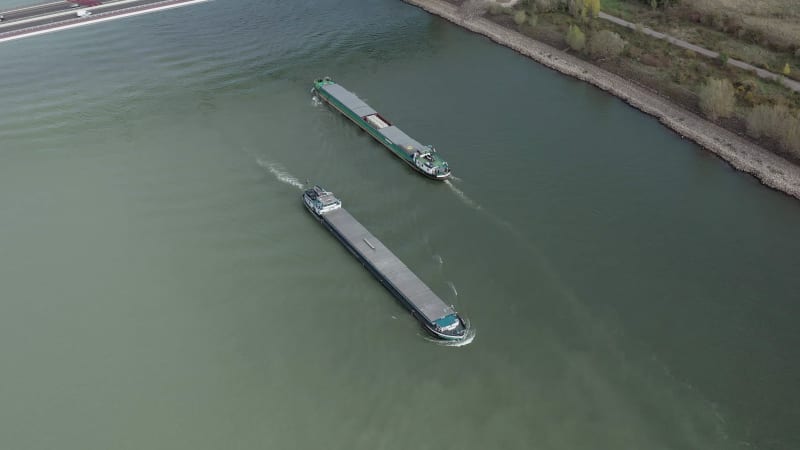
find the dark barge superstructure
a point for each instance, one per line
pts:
(436, 316)
(422, 158)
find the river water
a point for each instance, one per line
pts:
(163, 288)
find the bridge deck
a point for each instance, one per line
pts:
(62, 15)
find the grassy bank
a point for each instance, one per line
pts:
(766, 111)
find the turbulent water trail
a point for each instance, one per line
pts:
(280, 173)
(463, 197)
(471, 332)
(545, 263)
(453, 288)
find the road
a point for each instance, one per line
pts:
(45, 18)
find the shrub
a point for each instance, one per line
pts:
(654, 61)
(723, 58)
(576, 8)
(717, 98)
(787, 70)
(791, 138)
(544, 6)
(776, 122)
(575, 38)
(606, 44)
(634, 52)
(496, 10)
(761, 119)
(520, 17)
(732, 24)
(533, 20)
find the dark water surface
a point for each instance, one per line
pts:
(163, 288)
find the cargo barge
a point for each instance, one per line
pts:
(422, 158)
(438, 318)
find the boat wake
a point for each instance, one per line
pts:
(471, 332)
(438, 258)
(281, 174)
(315, 101)
(464, 198)
(453, 288)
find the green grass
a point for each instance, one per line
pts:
(623, 8)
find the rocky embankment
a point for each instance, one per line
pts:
(773, 170)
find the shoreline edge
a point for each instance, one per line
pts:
(771, 169)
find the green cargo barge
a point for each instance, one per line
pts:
(423, 158)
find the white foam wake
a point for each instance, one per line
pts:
(452, 287)
(464, 198)
(471, 332)
(280, 173)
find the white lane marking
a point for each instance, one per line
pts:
(97, 19)
(32, 7)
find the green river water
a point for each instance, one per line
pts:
(162, 287)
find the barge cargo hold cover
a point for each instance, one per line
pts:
(434, 314)
(422, 158)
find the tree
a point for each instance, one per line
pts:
(575, 38)
(545, 6)
(520, 17)
(592, 6)
(606, 44)
(576, 8)
(717, 98)
(787, 70)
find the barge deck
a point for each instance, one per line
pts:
(439, 318)
(422, 158)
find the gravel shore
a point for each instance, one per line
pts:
(771, 169)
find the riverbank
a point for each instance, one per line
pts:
(771, 169)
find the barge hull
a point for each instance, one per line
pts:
(385, 266)
(396, 140)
